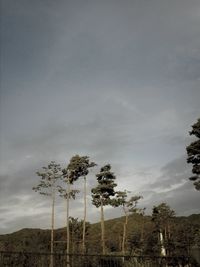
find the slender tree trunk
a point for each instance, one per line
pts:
(169, 230)
(165, 229)
(102, 229)
(142, 229)
(52, 227)
(72, 244)
(124, 231)
(142, 235)
(120, 242)
(163, 250)
(68, 234)
(84, 218)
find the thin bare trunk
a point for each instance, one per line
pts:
(163, 250)
(169, 230)
(68, 234)
(102, 229)
(124, 231)
(165, 229)
(84, 218)
(142, 230)
(52, 227)
(72, 245)
(120, 242)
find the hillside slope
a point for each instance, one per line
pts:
(141, 236)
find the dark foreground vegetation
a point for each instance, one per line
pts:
(25, 259)
(30, 247)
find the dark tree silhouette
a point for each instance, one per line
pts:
(102, 195)
(193, 151)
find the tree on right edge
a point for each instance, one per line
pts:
(193, 151)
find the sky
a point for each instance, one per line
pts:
(118, 81)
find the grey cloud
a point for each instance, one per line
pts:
(174, 188)
(184, 200)
(25, 220)
(175, 172)
(116, 81)
(90, 46)
(178, 140)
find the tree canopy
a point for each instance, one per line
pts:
(161, 214)
(193, 152)
(49, 176)
(105, 189)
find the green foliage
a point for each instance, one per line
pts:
(77, 167)
(185, 235)
(161, 215)
(104, 191)
(49, 176)
(135, 243)
(103, 194)
(129, 205)
(193, 151)
(151, 245)
(76, 228)
(63, 193)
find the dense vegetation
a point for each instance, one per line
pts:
(142, 237)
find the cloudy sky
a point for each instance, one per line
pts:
(118, 81)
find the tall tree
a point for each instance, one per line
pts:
(128, 206)
(81, 166)
(161, 216)
(70, 175)
(48, 186)
(193, 151)
(102, 195)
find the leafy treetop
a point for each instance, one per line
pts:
(49, 176)
(193, 151)
(129, 205)
(77, 167)
(104, 191)
(162, 214)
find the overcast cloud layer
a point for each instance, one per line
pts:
(118, 81)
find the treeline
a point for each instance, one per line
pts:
(159, 234)
(62, 181)
(181, 238)
(137, 234)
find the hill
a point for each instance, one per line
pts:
(141, 236)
